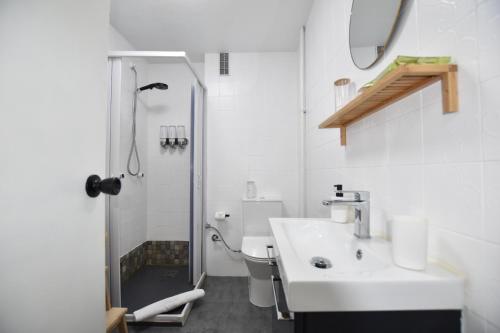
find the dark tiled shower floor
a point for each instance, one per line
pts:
(224, 309)
(153, 283)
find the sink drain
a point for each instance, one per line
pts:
(320, 262)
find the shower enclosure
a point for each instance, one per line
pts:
(156, 146)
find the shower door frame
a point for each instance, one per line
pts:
(112, 254)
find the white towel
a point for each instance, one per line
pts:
(168, 304)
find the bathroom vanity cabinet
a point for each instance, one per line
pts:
(372, 322)
(325, 279)
(433, 321)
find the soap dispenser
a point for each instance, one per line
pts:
(339, 213)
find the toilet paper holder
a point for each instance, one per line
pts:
(221, 216)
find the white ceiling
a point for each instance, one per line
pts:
(199, 26)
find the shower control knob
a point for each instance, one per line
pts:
(94, 186)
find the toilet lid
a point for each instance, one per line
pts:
(256, 247)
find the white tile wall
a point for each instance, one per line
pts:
(168, 170)
(131, 203)
(155, 207)
(410, 156)
(491, 206)
(252, 134)
(133, 197)
(491, 118)
(488, 25)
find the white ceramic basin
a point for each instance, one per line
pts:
(371, 283)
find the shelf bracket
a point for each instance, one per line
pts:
(343, 135)
(449, 90)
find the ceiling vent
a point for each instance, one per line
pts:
(224, 63)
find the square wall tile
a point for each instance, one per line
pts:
(465, 255)
(490, 100)
(488, 23)
(436, 16)
(452, 137)
(491, 202)
(404, 139)
(404, 190)
(490, 300)
(472, 322)
(452, 197)
(491, 328)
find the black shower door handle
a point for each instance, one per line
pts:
(94, 186)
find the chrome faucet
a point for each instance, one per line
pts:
(361, 203)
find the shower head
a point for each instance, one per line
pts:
(157, 85)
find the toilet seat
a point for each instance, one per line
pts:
(254, 248)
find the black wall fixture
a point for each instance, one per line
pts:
(94, 186)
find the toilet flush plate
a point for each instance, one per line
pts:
(325, 268)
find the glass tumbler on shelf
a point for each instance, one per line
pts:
(344, 92)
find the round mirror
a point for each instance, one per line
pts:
(371, 28)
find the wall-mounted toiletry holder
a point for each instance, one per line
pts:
(403, 81)
(173, 137)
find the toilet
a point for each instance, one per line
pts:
(256, 238)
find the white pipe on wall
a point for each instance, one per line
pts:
(302, 125)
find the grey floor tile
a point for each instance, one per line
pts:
(224, 309)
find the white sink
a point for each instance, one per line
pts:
(371, 283)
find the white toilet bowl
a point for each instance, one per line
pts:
(254, 250)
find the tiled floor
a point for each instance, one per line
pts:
(224, 309)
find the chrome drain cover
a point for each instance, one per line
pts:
(320, 262)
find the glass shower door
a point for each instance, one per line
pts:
(145, 265)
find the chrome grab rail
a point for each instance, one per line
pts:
(284, 314)
(270, 260)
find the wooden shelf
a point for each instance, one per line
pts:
(403, 81)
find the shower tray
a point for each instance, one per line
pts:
(173, 318)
